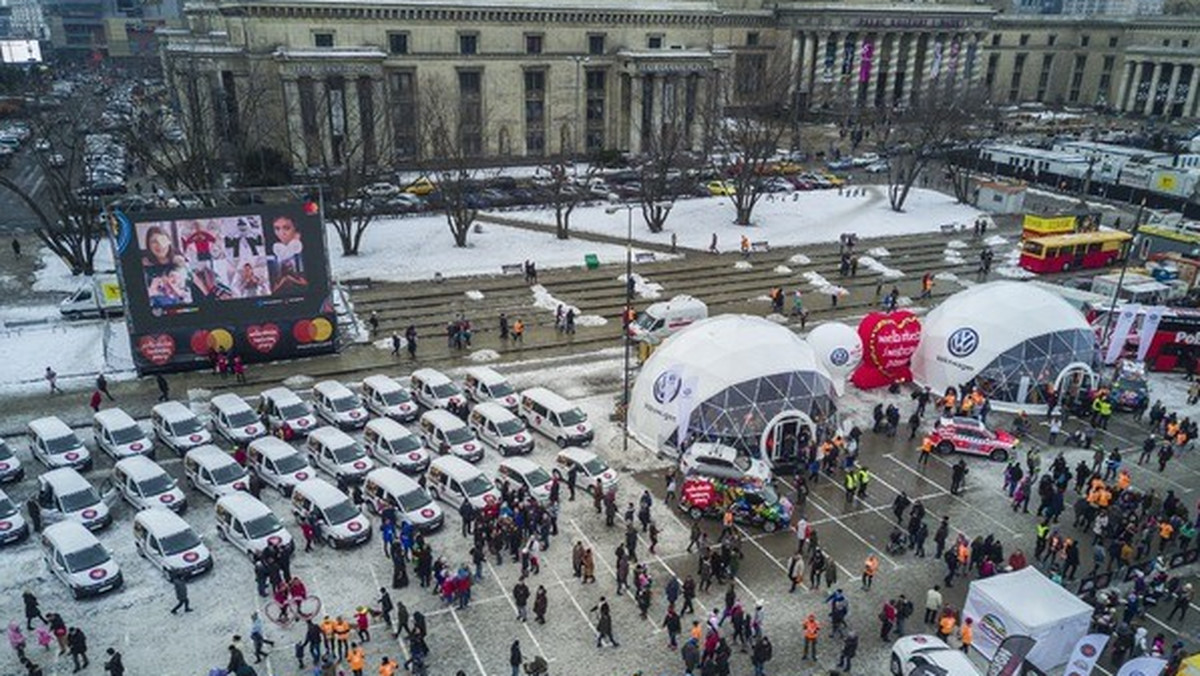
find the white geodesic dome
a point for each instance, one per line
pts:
(1015, 339)
(731, 376)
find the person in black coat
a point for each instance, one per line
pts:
(32, 609)
(77, 645)
(514, 658)
(236, 659)
(113, 665)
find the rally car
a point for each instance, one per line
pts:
(755, 504)
(1129, 389)
(971, 436)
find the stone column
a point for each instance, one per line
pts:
(656, 107)
(819, 84)
(1123, 88)
(295, 124)
(808, 72)
(928, 81)
(1189, 108)
(383, 138)
(1150, 95)
(893, 71)
(911, 81)
(352, 138)
(1169, 105)
(1131, 102)
(701, 112)
(876, 63)
(794, 72)
(635, 114)
(960, 63)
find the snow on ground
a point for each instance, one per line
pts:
(743, 265)
(402, 249)
(546, 300)
(782, 270)
(815, 216)
(800, 259)
(484, 355)
(953, 257)
(879, 252)
(995, 240)
(956, 244)
(1010, 266)
(1172, 390)
(54, 276)
(75, 350)
(474, 294)
(643, 287)
(951, 277)
(873, 264)
(816, 280)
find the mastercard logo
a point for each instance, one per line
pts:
(316, 330)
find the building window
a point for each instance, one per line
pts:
(468, 43)
(1077, 77)
(654, 42)
(1112, 41)
(749, 70)
(751, 39)
(470, 112)
(533, 44)
(1051, 39)
(1014, 84)
(398, 43)
(1044, 77)
(995, 39)
(597, 81)
(990, 76)
(1166, 42)
(402, 93)
(1187, 43)
(1024, 39)
(1084, 40)
(596, 45)
(322, 39)
(535, 112)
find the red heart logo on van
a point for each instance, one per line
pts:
(190, 557)
(4, 525)
(97, 573)
(89, 513)
(167, 498)
(263, 337)
(427, 513)
(157, 349)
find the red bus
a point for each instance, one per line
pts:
(1059, 253)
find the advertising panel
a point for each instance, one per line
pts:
(251, 282)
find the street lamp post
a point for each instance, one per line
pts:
(1112, 306)
(628, 207)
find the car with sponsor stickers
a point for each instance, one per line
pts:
(339, 406)
(455, 481)
(168, 542)
(1129, 389)
(718, 461)
(13, 527)
(556, 417)
(386, 397)
(76, 557)
(176, 426)
(925, 654)
(63, 493)
(483, 384)
(340, 522)
(972, 437)
(338, 454)
(249, 525)
(589, 468)
(233, 419)
(386, 487)
(394, 445)
(432, 389)
(119, 435)
(278, 464)
(286, 413)
(752, 503)
(214, 472)
(497, 427)
(10, 465)
(445, 433)
(143, 484)
(527, 474)
(56, 445)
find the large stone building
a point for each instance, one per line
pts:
(527, 78)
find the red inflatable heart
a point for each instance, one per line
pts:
(157, 349)
(889, 341)
(263, 337)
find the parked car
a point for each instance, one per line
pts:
(925, 654)
(719, 461)
(380, 190)
(720, 188)
(971, 436)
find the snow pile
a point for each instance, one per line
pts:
(782, 270)
(643, 287)
(777, 318)
(298, 382)
(799, 259)
(545, 300)
(995, 240)
(74, 350)
(590, 320)
(54, 276)
(956, 244)
(822, 285)
(873, 264)
(1011, 266)
(953, 257)
(474, 294)
(879, 252)
(742, 265)
(484, 355)
(951, 277)
(759, 299)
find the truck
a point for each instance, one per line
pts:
(98, 296)
(660, 320)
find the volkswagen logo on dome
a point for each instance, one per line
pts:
(666, 387)
(839, 357)
(962, 342)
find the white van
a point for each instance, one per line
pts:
(340, 523)
(119, 435)
(278, 464)
(386, 397)
(249, 525)
(338, 405)
(10, 465)
(664, 318)
(337, 454)
(555, 417)
(405, 495)
(392, 444)
(63, 493)
(233, 419)
(482, 384)
(56, 445)
(176, 426)
(168, 542)
(497, 427)
(527, 474)
(78, 559)
(282, 409)
(589, 468)
(214, 472)
(455, 481)
(443, 432)
(144, 484)
(432, 389)
(13, 527)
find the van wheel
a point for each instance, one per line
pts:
(433, 493)
(141, 552)
(192, 483)
(77, 594)
(945, 448)
(695, 513)
(895, 665)
(769, 526)
(999, 455)
(561, 441)
(221, 533)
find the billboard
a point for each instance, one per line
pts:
(20, 51)
(250, 281)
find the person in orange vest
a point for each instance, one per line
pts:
(926, 286)
(870, 567)
(926, 450)
(1124, 480)
(812, 629)
(357, 659)
(745, 246)
(341, 633)
(518, 333)
(388, 668)
(946, 625)
(327, 627)
(966, 635)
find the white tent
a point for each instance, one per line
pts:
(1027, 603)
(1014, 337)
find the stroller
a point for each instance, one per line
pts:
(896, 542)
(537, 666)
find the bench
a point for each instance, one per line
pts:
(643, 257)
(760, 247)
(512, 269)
(357, 283)
(951, 228)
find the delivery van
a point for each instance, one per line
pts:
(659, 321)
(432, 389)
(555, 417)
(119, 435)
(455, 481)
(233, 419)
(443, 432)
(483, 384)
(286, 412)
(338, 455)
(589, 468)
(385, 487)
(527, 474)
(74, 556)
(56, 445)
(168, 542)
(497, 427)
(278, 464)
(214, 472)
(249, 525)
(13, 527)
(10, 465)
(339, 522)
(143, 484)
(63, 493)
(386, 397)
(176, 426)
(98, 297)
(338, 405)
(393, 445)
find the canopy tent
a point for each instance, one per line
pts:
(1018, 341)
(1027, 603)
(731, 377)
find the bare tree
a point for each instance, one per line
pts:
(566, 184)
(453, 138)
(747, 130)
(940, 118)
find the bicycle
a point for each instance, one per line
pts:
(301, 609)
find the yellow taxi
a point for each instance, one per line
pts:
(422, 186)
(720, 188)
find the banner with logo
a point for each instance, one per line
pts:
(1116, 340)
(935, 67)
(865, 58)
(686, 402)
(1010, 656)
(889, 341)
(1143, 666)
(1149, 327)
(1086, 653)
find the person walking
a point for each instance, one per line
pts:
(812, 629)
(32, 609)
(356, 659)
(887, 619)
(257, 638)
(870, 567)
(410, 341)
(514, 657)
(77, 646)
(114, 665)
(102, 386)
(181, 595)
(673, 625)
(849, 650)
(760, 654)
(520, 596)
(164, 389)
(933, 603)
(604, 625)
(52, 378)
(540, 605)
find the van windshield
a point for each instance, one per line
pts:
(73, 502)
(227, 474)
(84, 559)
(189, 425)
(501, 389)
(128, 435)
(459, 435)
(538, 477)
(177, 543)
(63, 444)
(346, 403)
(396, 397)
(156, 484)
(510, 427)
(572, 417)
(405, 444)
(445, 390)
(5, 451)
(262, 526)
(595, 466)
(6, 507)
(242, 418)
(476, 485)
(294, 410)
(414, 500)
(648, 322)
(347, 454)
(290, 463)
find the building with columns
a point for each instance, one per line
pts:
(317, 78)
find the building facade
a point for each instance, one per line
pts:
(531, 79)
